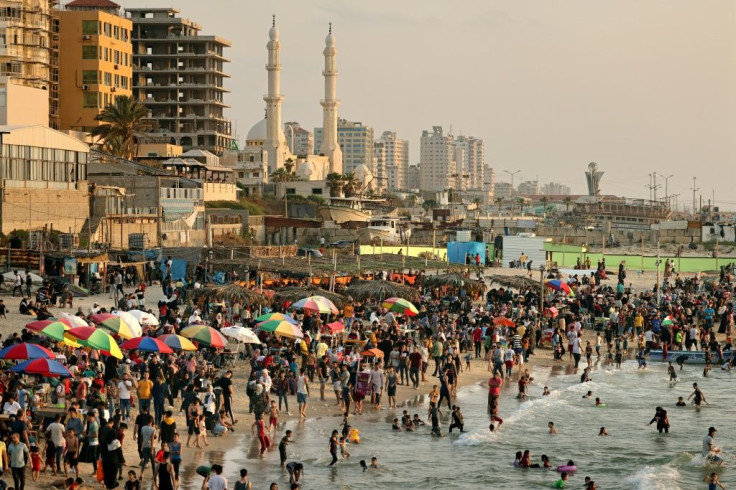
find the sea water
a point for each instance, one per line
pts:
(633, 456)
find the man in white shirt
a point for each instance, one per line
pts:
(215, 481)
(11, 407)
(55, 432)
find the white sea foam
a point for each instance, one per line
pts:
(655, 478)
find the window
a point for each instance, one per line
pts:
(89, 77)
(124, 82)
(108, 29)
(90, 27)
(90, 100)
(116, 32)
(108, 79)
(317, 191)
(89, 52)
(107, 54)
(117, 57)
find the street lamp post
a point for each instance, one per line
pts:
(512, 177)
(666, 189)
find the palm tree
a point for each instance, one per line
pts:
(289, 165)
(122, 121)
(544, 202)
(499, 203)
(335, 183)
(350, 184)
(281, 175)
(568, 201)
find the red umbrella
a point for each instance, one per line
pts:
(39, 325)
(505, 321)
(146, 344)
(26, 351)
(372, 353)
(334, 327)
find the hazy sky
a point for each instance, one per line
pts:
(638, 86)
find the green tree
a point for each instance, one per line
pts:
(568, 201)
(289, 165)
(351, 184)
(335, 183)
(282, 175)
(122, 122)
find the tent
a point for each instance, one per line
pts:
(457, 251)
(178, 269)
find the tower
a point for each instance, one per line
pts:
(275, 142)
(330, 147)
(593, 176)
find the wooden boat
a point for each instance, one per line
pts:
(691, 356)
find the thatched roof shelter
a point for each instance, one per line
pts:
(294, 294)
(456, 281)
(380, 290)
(233, 293)
(513, 282)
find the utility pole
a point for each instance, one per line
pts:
(513, 189)
(694, 189)
(666, 189)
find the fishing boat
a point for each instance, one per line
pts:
(387, 230)
(690, 356)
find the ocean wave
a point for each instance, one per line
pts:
(655, 478)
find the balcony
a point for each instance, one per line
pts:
(219, 191)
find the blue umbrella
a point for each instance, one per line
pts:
(44, 367)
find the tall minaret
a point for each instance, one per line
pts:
(273, 144)
(330, 146)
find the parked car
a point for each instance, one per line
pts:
(309, 252)
(342, 244)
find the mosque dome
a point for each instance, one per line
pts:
(305, 170)
(273, 33)
(363, 174)
(259, 132)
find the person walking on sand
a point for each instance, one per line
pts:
(302, 392)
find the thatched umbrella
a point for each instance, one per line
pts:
(380, 290)
(233, 293)
(295, 293)
(457, 281)
(514, 282)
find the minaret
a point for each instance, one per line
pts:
(330, 146)
(273, 100)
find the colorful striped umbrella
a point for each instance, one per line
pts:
(146, 344)
(44, 367)
(558, 285)
(132, 322)
(400, 305)
(115, 324)
(241, 334)
(205, 335)
(283, 328)
(39, 325)
(276, 316)
(143, 317)
(26, 351)
(73, 320)
(53, 329)
(316, 304)
(96, 338)
(177, 342)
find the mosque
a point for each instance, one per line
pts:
(266, 142)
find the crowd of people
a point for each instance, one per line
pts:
(157, 397)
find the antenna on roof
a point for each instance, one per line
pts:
(330, 28)
(274, 20)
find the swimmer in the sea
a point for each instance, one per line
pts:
(713, 483)
(545, 461)
(698, 395)
(588, 395)
(561, 482)
(396, 425)
(552, 428)
(599, 403)
(680, 402)
(546, 391)
(603, 432)
(672, 373)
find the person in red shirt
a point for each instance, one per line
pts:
(494, 391)
(415, 364)
(477, 340)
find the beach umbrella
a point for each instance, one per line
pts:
(132, 321)
(504, 321)
(316, 304)
(276, 316)
(73, 320)
(96, 338)
(146, 344)
(372, 353)
(668, 320)
(54, 330)
(241, 334)
(283, 328)
(334, 327)
(39, 325)
(143, 317)
(43, 367)
(26, 351)
(558, 285)
(365, 290)
(402, 306)
(295, 293)
(177, 342)
(115, 324)
(205, 335)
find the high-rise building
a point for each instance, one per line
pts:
(392, 162)
(95, 61)
(470, 161)
(26, 39)
(503, 190)
(356, 142)
(529, 188)
(556, 189)
(179, 75)
(437, 158)
(300, 140)
(412, 178)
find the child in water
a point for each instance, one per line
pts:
(435, 418)
(396, 426)
(561, 482)
(673, 374)
(713, 483)
(680, 402)
(603, 432)
(552, 428)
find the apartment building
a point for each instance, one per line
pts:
(356, 142)
(437, 160)
(26, 60)
(392, 162)
(300, 140)
(95, 61)
(179, 74)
